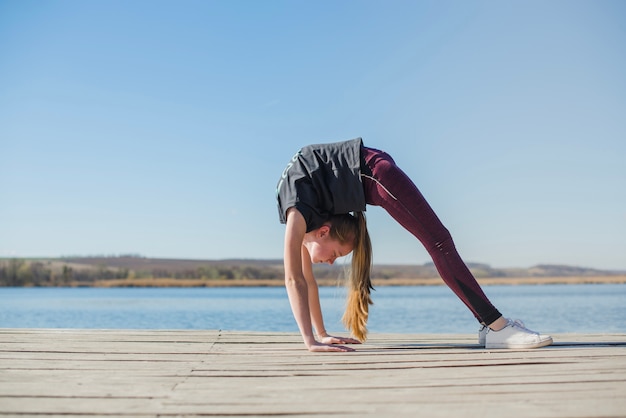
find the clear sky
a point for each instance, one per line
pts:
(160, 127)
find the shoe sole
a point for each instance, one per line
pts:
(540, 344)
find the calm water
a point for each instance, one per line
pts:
(433, 309)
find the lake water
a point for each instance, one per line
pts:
(432, 309)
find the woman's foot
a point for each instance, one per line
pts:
(513, 335)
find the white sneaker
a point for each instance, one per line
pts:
(482, 335)
(516, 335)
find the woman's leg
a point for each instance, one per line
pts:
(390, 188)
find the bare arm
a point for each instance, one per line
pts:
(296, 284)
(315, 308)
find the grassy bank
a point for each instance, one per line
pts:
(128, 271)
(435, 281)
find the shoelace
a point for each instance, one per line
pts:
(519, 324)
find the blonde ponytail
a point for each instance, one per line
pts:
(359, 283)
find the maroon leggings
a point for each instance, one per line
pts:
(390, 188)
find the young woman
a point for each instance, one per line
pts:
(322, 194)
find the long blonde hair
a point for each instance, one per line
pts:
(346, 228)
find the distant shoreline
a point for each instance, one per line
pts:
(135, 271)
(435, 281)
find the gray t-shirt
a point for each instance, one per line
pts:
(322, 180)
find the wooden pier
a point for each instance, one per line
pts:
(243, 374)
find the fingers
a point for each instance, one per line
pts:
(330, 348)
(346, 341)
(339, 340)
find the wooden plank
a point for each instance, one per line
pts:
(220, 373)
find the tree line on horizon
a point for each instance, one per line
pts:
(17, 272)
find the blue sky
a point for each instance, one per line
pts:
(160, 127)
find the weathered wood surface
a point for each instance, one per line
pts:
(224, 373)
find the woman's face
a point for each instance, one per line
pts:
(324, 249)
